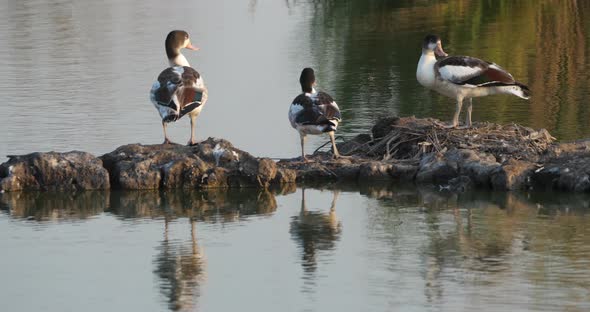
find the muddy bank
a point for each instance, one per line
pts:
(407, 150)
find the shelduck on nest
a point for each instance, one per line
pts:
(179, 90)
(314, 112)
(463, 77)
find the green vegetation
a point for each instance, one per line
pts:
(367, 51)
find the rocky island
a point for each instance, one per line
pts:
(408, 150)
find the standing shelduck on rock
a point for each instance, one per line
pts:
(313, 112)
(180, 89)
(463, 77)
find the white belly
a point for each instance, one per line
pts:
(450, 89)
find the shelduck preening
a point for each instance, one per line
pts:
(463, 77)
(314, 112)
(179, 90)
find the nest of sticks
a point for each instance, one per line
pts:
(406, 139)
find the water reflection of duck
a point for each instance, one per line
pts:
(314, 112)
(180, 269)
(463, 77)
(179, 90)
(315, 231)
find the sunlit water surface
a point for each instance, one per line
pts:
(381, 250)
(76, 75)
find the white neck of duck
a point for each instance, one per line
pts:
(178, 60)
(313, 91)
(425, 71)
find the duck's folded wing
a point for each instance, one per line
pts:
(328, 106)
(164, 89)
(305, 112)
(192, 93)
(467, 70)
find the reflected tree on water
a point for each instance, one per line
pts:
(363, 48)
(484, 239)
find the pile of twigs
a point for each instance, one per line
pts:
(409, 138)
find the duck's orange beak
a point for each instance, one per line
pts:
(439, 50)
(191, 47)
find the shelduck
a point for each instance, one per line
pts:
(179, 89)
(463, 77)
(313, 112)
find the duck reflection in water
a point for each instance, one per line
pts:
(315, 231)
(180, 268)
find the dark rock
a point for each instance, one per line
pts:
(253, 171)
(216, 178)
(568, 150)
(406, 173)
(574, 181)
(212, 163)
(347, 172)
(513, 175)
(565, 167)
(53, 171)
(267, 171)
(375, 171)
(311, 172)
(547, 177)
(318, 169)
(460, 184)
(349, 147)
(475, 165)
(284, 176)
(137, 166)
(383, 127)
(434, 168)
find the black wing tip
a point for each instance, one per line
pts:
(170, 118)
(329, 128)
(189, 108)
(522, 86)
(525, 89)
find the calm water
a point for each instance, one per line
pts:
(379, 250)
(76, 75)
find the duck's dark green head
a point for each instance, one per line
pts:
(307, 80)
(176, 40)
(434, 44)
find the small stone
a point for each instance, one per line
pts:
(434, 168)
